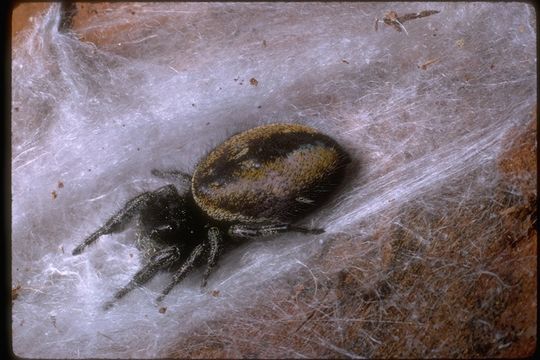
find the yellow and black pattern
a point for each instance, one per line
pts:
(270, 173)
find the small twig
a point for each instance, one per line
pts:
(427, 63)
(417, 15)
(391, 18)
(305, 321)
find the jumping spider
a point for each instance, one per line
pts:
(254, 184)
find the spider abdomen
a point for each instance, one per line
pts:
(271, 173)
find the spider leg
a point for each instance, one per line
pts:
(171, 174)
(215, 240)
(117, 222)
(184, 269)
(257, 230)
(162, 259)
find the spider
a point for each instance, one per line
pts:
(257, 183)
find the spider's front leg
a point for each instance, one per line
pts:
(195, 255)
(211, 247)
(161, 260)
(117, 222)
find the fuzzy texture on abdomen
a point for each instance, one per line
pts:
(272, 173)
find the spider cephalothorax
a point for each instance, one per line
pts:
(256, 183)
